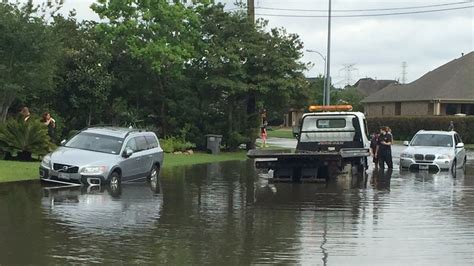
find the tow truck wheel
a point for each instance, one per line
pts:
(464, 164)
(362, 166)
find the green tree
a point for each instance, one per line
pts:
(316, 90)
(160, 34)
(83, 80)
(244, 68)
(349, 95)
(27, 55)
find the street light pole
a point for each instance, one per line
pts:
(328, 67)
(324, 84)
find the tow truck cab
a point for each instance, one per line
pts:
(332, 131)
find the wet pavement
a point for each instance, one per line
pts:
(229, 213)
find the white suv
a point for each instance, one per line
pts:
(434, 150)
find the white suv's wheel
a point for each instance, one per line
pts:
(454, 168)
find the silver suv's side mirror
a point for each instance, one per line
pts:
(127, 152)
(63, 142)
(406, 143)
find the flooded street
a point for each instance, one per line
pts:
(229, 213)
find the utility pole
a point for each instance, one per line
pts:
(251, 10)
(404, 72)
(252, 114)
(327, 101)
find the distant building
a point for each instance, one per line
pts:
(293, 117)
(447, 90)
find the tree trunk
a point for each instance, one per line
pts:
(5, 103)
(230, 119)
(89, 119)
(161, 93)
(252, 120)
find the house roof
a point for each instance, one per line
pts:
(368, 86)
(453, 81)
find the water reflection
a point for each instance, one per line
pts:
(96, 209)
(227, 213)
(381, 178)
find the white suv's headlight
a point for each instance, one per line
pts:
(46, 162)
(93, 170)
(406, 155)
(444, 156)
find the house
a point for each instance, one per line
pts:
(447, 90)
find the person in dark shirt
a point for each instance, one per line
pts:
(373, 147)
(384, 149)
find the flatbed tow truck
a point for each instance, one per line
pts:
(332, 140)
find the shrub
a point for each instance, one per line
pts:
(405, 127)
(21, 139)
(235, 139)
(173, 144)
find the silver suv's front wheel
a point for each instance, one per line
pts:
(153, 178)
(114, 180)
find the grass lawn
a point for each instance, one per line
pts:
(284, 132)
(18, 171)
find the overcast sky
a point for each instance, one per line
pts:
(376, 46)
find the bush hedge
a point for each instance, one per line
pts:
(405, 127)
(174, 144)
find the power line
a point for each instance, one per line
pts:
(365, 15)
(364, 10)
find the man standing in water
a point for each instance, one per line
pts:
(384, 149)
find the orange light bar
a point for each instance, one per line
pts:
(328, 108)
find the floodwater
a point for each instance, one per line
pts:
(229, 213)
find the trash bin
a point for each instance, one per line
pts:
(213, 143)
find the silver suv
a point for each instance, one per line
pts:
(104, 155)
(438, 150)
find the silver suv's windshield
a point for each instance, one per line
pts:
(435, 140)
(96, 142)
